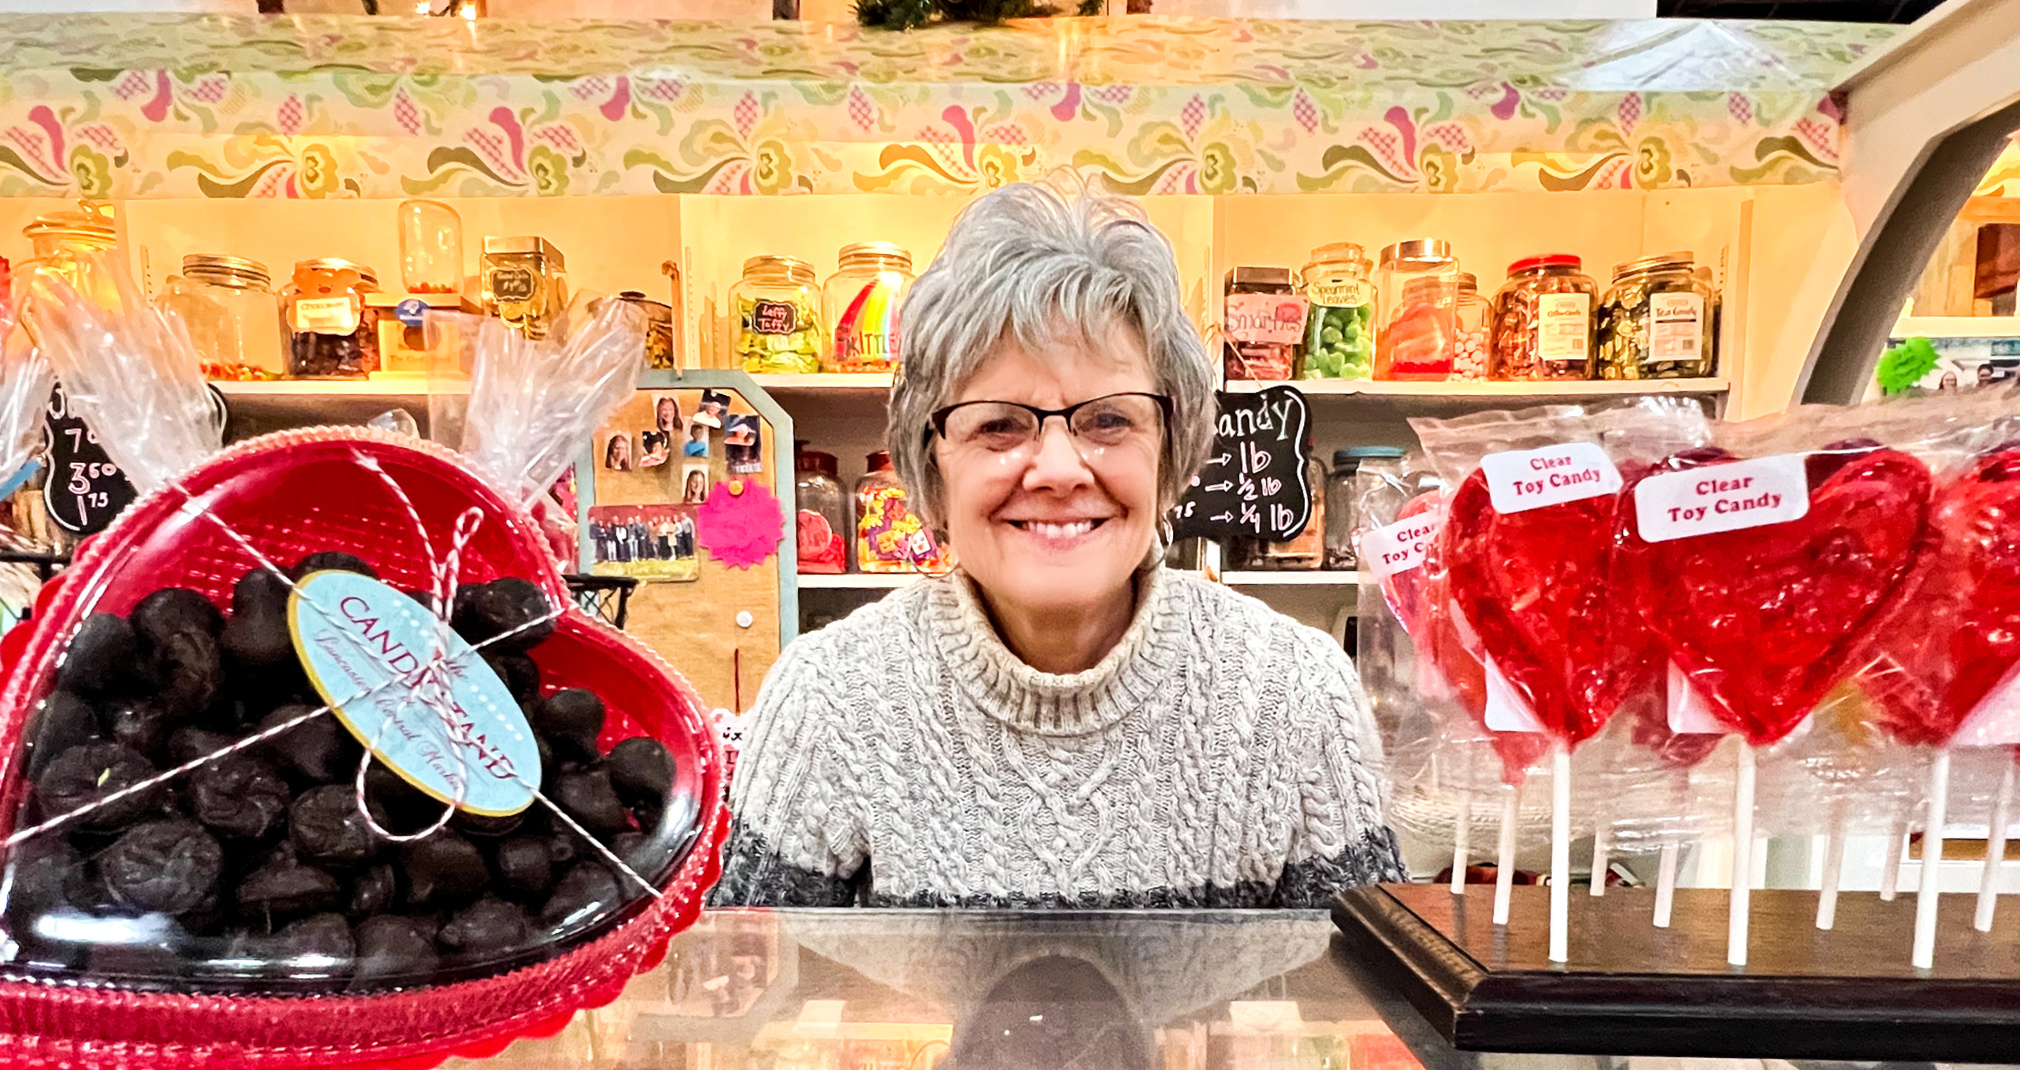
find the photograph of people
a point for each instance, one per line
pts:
(656, 446)
(740, 439)
(1056, 403)
(617, 454)
(697, 485)
(697, 439)
(714, 403)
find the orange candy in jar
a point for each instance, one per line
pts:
(1543, 320)
(1420, 288)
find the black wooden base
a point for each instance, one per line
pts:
(1633, 989)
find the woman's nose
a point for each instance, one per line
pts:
(1056, 463)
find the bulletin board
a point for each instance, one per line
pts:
(680, 439)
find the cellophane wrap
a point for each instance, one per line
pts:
(127, 368)
(534, 402)
(256, 735)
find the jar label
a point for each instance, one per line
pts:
(1401, 546)
(889, 536)
(1520, 480)
(513, 284)
(1265, 319)
(325, 315)
(451, 730)
(1675, 327)
(1563, 327)
(774, 317)
(1722, 497)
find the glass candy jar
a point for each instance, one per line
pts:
(1262, 325)
(525, 283)
(1472, 323)
(1543, 320)
(778, 317)
(330, 336)
(824, 515)
(890, 537)
(61, 241)
(227, 305)
(1656, 321)
(1340, 326)
(431, 248)
(861, 301)
(1343, 513)
(1419, 282)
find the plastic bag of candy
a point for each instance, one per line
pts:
(309, 759)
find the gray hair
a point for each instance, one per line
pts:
(1027, 263)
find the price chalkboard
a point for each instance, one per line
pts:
(85, 490)
(1253, 485)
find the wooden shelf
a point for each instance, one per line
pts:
(1957, 327)
(341, 388)
(865, 386)
(1474, 390)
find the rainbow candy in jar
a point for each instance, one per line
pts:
(862, 301)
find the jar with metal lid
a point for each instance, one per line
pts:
(890, 537)
(1543, 320)
(778, 317)
(658, 328)
(861, 301)
(1472, 323)
(62, 240)
(227, 305)
(1263, 324)
(1419, 283)
(1340, 327)
(331, 335)
(1656, 320)
(525, 283)
(824, 514)
(1343, 515)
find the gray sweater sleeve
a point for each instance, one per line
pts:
(798, 838)
(1344, 839)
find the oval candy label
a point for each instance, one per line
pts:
(366, 646)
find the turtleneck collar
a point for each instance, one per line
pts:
(1055, 704)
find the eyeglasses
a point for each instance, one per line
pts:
(1002, 426)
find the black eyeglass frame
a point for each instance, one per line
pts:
(937, 422)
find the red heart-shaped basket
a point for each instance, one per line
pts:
(291, 494)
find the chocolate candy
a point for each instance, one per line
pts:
(41, 870)
(391, 947)
(239, 796)
(187, 672)
(373, 890)
(172, 611)
(63, 722)
(588, 797)
(520, 673)
(327, 827)
(484, 826)
(187, 744)
(329, 560)
(570, 720)
(103, 657)
(489, 925)
(443, 870)
(85, 774)
(169, 866)
(257, 634)
(137, 722)
(582, 893)
(317, 751)
(506, 610)
(322, 940)
(641, 771)
(285, 887)
(525, 867)
(407, 810)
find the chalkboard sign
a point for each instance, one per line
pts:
(1253, 485)
(85, 490)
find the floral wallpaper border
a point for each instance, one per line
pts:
(127, 107)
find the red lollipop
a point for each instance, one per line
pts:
(1954, 634)
(1765, 619)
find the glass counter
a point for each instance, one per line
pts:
(923, 990)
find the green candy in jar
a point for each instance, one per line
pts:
(1339, 329)
(778, 317)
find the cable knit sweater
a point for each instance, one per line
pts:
(1222, 755)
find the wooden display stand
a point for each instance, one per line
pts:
(1633, 989)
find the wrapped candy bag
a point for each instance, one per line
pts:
(309, 758)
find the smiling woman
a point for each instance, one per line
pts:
(1061, 722)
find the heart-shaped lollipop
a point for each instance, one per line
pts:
(1954, 633)
(1765, 619)
(1538, 586)
(523, 971)
(1449, 646)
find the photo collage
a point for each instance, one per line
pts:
(657, 462)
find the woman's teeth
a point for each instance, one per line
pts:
(1058, 531)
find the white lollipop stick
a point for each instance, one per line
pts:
(1932, 860)
(1742, 859)
(1995, 850)
(1504, 866)
(1665, 885)
(1602, 849)
(1560, 853)
(1890, 873)
(1834, 865)
(1462, 828)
